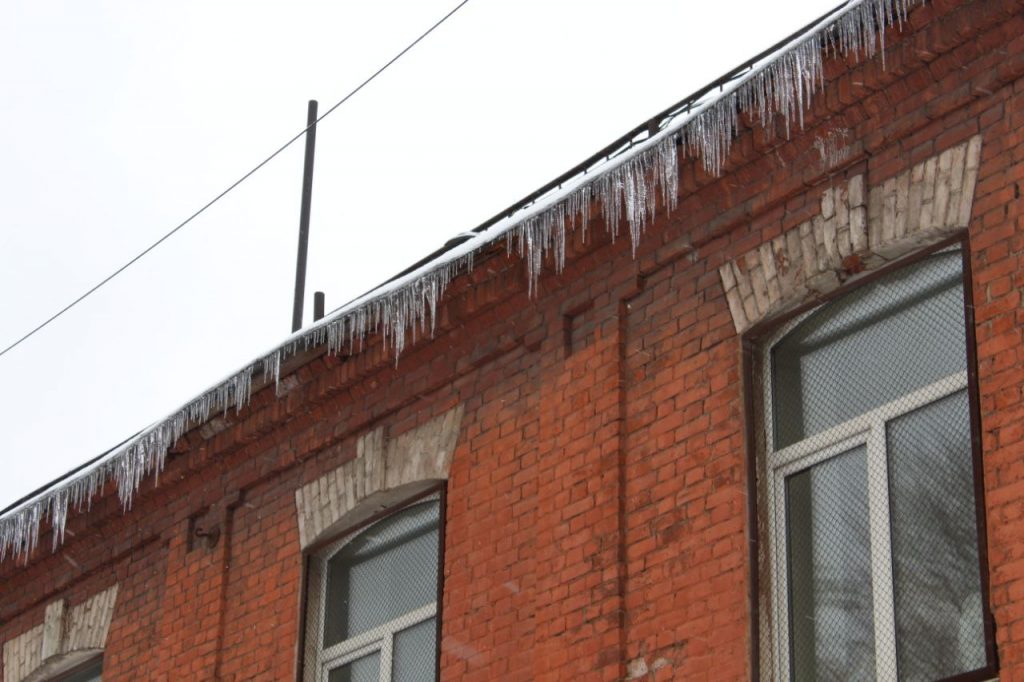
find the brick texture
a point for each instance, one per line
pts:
(854, 234)
(596, 520)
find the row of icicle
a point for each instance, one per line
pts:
(627, 188)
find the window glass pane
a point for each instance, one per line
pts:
(365, 669)
(870, 347)
(387, 571)
(87, 673)
(831, 633)
(939, 630)
(415, 654)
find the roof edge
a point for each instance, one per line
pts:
(623, 180)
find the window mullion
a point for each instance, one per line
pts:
(386, 650)
(881, 554)
(777, 533)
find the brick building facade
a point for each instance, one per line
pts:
(598, 448)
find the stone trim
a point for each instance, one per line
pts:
(381, 475)
(63, 640)
(855, 231)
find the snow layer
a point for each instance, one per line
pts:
(623, 186)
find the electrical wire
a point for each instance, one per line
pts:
(235, 184)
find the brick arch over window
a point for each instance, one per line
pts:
(66, 638)
(383, 474)
(858, 229)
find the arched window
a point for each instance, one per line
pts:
(870, 474)
(372, 601)
(90, 671)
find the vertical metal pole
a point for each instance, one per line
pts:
(307, 197)
(318, 305)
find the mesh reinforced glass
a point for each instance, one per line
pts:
(873, 471)
(386, 571)
(935, 542)
(365, 669)
(415, 651)
(869, 347)
(829, 553)
(376, 600)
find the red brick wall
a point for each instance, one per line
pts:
(597, 505)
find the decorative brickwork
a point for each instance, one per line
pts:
(63, 640)
(854, 233)
(23, 655)
(382, 474)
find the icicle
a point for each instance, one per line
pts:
(272, 370)
(634, 175)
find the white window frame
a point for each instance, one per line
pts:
(867, 429)
(321, 661)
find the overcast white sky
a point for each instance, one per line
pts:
(119, 118)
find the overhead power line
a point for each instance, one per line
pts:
(236, 183)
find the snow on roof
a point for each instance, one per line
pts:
(623, 183)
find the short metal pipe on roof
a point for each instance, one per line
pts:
(318, 305)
